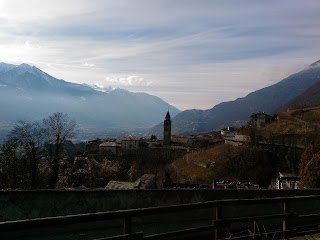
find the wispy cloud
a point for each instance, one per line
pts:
(191, 53)
(128, 81)
(88, 64)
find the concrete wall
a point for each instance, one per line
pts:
(44, 203)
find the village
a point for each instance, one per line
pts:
(175, 146)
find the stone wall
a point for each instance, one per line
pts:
(44, 203)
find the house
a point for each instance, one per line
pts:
(228, 132)
(238, 140)
(201, 141)
(178, 140)
(260, 119)
(131, 143)
(170, 152)
(285, 181)
(109, 148)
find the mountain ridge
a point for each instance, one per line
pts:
(237, 112)
(309, 98)
(28, 93)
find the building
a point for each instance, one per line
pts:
(238, 140)
(109, 148)
(228, 132)
(285, 181)
(260, 119)
(179, 140)
(131, 143)
(201, 141)
(167, 130)
(192, 142)
(170, 152)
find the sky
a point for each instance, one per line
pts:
(192, 54)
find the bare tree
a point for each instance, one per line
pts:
(57, 128)
(29, 137)
(9, 167)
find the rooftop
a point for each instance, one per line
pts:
(287, 175)
(108, 144)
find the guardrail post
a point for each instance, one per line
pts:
(285, 220)
(218, 215)
(127, 225)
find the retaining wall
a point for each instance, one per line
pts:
(16, 205)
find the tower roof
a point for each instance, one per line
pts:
(168, 115)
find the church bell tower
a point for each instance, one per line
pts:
(167, 130)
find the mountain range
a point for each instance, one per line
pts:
(27, 93)
(300, 88)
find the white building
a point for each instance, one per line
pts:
(228, 132)
(285, 181)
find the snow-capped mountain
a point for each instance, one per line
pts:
(101, 88)
(4, 67)
(28, 93)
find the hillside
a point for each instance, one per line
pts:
(298, 126)
(202, 166)
(309, 98)
(278, 148)
(225, 162)
(237, 112)
(30, 94)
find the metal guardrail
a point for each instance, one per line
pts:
(218, 222)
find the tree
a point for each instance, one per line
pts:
(311, 179)
(19, 161)
(9, 167)
(58, 128)
(29, 139)
(309, 167)
(153, 138)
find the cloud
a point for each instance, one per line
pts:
(128, 81)
(197, 53)
(88, 64)
(29, 46)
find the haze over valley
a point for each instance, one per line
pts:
(27, 93)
